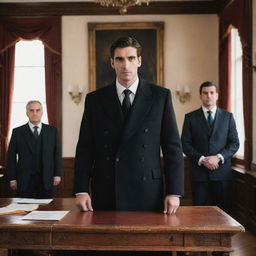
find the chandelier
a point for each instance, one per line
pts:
(122, 4)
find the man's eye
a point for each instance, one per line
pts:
(131, 58)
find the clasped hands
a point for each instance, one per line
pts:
(211, 162)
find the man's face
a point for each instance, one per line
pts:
(34, 113)
(209, 96)
(126, 63)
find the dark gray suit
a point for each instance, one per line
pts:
(121, 160)
(21, 165)
(198, 139)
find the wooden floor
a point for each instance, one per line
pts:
(244, 244)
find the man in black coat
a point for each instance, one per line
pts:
(34, 156)
(209, 139)
(117, 164)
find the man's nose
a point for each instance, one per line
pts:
(125, 63)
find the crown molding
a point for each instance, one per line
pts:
(91, 8)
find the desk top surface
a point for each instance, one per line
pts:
(187, 219)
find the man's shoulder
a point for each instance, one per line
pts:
(158, 90)
(223, 111)
(20, 128)
(48, 127)
(194, 112)
(100, 91)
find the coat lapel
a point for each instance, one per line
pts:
(45, 138)
(140, 107)
(217, 120)
(28, 136)
(202, 121)
(111, 104)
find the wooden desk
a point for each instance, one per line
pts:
(191, 229)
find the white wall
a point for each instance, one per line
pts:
(190, 57)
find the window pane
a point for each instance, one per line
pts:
(29, 84)
(237, 88)
(29, 80)
(27, 53)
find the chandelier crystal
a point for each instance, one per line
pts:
(122, 4)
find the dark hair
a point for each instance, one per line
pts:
(125, 42)
(207, 84)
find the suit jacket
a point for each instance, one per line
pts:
(122, 159)
(19, 159)
(198, 139)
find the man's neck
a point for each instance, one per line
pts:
(127, 84)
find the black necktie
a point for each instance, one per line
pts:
(209, 118)
(35, 133)
(126, 102)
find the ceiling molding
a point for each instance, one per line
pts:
(91, 8)
(222, 4)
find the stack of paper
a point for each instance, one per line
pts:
(45, 215)
(33, 201)
(15, 208)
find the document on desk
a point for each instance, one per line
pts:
(33, 201)
(45, 215)
(15, 208)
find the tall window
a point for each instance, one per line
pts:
(237, 88)
(29, 80)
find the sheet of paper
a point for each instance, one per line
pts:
(33, 201)
(17, 208)
(45, 215)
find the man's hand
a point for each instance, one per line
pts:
(211, 162)
(84, 202)
(56, 181)
(171, 204)
(13, 184)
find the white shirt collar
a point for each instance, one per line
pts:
(213, 109)
(205, 110)
(31, 126)
(133, 88)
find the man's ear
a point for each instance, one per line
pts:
(140, 61)
(112, 62)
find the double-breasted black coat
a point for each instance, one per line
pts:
(118, 162)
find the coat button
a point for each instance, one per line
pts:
(145, 130)
(117, 159)
(144, 178)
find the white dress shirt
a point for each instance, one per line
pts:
(120, 90)
(213, 110)
(31, 126)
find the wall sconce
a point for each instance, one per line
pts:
(75, 93)
(183, 92)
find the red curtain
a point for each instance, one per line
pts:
(6, 90)
(238, 14)
(48, 30)
(225, 72)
